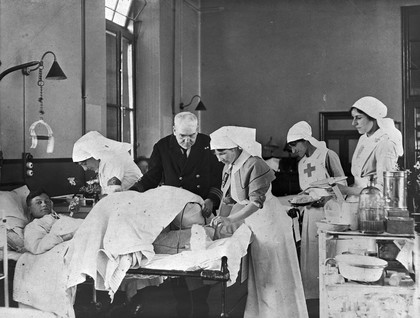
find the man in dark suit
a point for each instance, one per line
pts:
(185, 160)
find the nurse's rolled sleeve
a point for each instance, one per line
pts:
(259, 179)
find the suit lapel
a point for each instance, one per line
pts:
(195, 155)
(176, 154)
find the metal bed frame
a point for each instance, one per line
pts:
(221, 275)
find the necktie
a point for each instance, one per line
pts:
(184, 157)
(184, 153)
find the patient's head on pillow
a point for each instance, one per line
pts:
(39, 204)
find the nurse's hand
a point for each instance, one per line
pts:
(207, 208)
(220, 221)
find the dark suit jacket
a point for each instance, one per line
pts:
(200, 173)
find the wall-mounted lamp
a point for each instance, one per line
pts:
(200, 106)
(55, 72)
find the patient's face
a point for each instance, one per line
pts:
(40, 205)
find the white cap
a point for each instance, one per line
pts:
(374, 108)
(302, 130)
(371, 106)
(228, 137)
(92, 144)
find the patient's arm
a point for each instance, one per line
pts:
(37, 236)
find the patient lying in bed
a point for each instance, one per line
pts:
(47, 228)
(118, 234)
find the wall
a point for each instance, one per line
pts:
(28, 28)
(167, 67)
(270, 63)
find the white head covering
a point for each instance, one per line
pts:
(374, 108)
(93, 144)
(302, 130)
(371, 106)
(228, 137)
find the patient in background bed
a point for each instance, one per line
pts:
(38, 236)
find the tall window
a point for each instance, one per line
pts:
(120, 83)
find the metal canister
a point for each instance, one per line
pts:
(395, 189)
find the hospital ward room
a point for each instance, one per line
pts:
(209, 158)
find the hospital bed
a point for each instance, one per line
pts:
(221, 274)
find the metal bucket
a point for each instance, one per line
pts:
(395, 189)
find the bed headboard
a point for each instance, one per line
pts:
(49, 174)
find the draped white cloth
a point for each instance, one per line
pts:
(123, 223)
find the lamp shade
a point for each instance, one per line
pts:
(200, 106)
(55, 72)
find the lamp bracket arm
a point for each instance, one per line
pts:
(43, 56)
(192, 98)
(22, 67)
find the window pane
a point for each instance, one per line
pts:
(111, 68)
(414, 68)
(340, 124)
(109, 14)
(111, 4)
(334, 145)
(112, 122)
(127, 126)
(127, 74)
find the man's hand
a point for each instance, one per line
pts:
(207, 208)
(67, 237)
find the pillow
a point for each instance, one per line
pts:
(21, 194)
(13, 207)
(189, 216)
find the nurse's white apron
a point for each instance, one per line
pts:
(311, 169)
(275, 287)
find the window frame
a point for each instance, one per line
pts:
(123, 33)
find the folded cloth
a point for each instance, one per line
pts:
(405, 256)
(234, 248)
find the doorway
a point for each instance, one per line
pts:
(340, 136)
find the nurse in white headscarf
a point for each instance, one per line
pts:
(316, 162)
(111, 159)
(274, 281)
(379, 146)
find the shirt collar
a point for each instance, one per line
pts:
(239, 162)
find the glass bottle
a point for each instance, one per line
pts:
(371, 209)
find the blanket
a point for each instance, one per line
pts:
(40, 282)
(119, 232)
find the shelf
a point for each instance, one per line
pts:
(382, 236)
(406, 287)
(351, 299)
